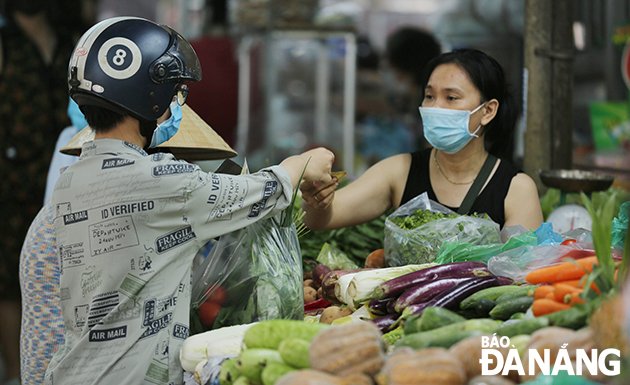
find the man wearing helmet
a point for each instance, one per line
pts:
(118, 206)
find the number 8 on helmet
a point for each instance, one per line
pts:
(133, 66)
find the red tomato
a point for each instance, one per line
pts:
(568, 241)
(218, 295)
(208, 312)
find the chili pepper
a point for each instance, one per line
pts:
(317, 304)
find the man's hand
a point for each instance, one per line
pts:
(316, 164)
(319, 163)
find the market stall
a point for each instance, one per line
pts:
(447, 299)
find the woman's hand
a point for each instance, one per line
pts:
(318, 195)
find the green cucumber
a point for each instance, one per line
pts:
(481, 308)
(294, 352)
(522, 326)
(273, 372)
(504, 310)
(491, 293)
(448, 335)
(229, 372)
(269, 334)
(432, 318)
(572, 318)
(251, 363)
(525, 290)
(427, 340)
(518, 315)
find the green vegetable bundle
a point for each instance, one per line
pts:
(415, 232)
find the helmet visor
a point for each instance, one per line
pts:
(179, 62)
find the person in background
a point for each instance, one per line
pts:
(381, 129)
(127, 224)
(60, 161)
(42, 324)
(469, 117)
(36, 37)
(407, 52)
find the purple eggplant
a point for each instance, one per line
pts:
(426, 291)
(396, 286)
(319, 272)
(451, 298)
(386, 322)
(415, 309)
(379, 306)
(391, 307)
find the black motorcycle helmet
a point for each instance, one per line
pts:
(131, 65)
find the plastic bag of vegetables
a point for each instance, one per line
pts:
(249, 275)
(464, 251)
(417, 229)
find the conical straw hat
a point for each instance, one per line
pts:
(194, 140)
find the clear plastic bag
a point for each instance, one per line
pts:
(250, 275)
(464, 251)
(334, 258)
(516, 263)
(404, 245)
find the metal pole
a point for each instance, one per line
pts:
(244, 84)
(349, 103)
(322, 88)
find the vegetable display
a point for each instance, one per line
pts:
(429, 323)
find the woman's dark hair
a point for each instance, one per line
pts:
(409, 49)
(489, 78)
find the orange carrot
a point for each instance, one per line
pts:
(564, 293)
(542, 291)
(545, 306)
(562, 271)
(574, 299)
(577, 283)
(580, 283)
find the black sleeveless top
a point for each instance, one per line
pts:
(490, 200)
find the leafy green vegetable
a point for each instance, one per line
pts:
(602, 210)
(419, 218)
(417, 238)
(356, 242)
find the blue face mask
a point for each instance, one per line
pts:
(446, 129)
(168, 128)
(76, 116)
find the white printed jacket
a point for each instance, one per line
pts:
(128, 226)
